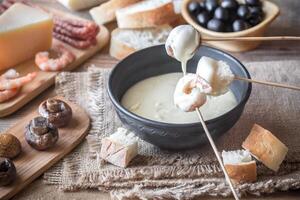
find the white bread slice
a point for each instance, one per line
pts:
(264, 146)
(126, 41)
(119, 148)
(240, 166)
(79, 4)
(145, 14)
(106, 12)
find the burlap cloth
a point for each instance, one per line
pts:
(180, 175)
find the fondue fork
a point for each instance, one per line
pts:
(251, 39)
(212, 143)
(267, 83)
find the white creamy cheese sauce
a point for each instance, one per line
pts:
(152, 98)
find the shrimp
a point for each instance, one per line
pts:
(45, 63)
(12, 83)
(10, 74)
(8, 94)
(190, 92)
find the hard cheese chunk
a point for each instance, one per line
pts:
(119, 148)
(80, 4)
(24, 31)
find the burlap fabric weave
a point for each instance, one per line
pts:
(180, 175)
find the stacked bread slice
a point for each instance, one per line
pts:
(141, 23)
(263, 146)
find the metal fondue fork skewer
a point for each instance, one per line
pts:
(212, 143)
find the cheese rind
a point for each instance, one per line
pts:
(24, 31)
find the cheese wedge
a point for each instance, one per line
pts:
(24, 31)
(80, 4)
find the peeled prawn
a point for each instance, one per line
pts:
(190, 92)
(10, 74)
(8, 94)
(11, 83)
(45, 63)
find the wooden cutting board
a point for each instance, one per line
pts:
(45, 79)
(30, 164)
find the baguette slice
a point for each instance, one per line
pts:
(80, 4)
(145, 14)
(107, 12)
(240, 166)
(119, 148)
(264, 146)
(126, 41)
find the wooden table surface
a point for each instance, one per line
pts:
(288, 23)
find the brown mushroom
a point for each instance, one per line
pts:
(58, 112)
(8, 171)
(40, 134)
(10, 146)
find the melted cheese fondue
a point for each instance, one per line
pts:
(152, 98)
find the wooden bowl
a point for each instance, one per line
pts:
(271, 12)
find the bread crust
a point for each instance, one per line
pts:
(242, 172)
(146, 19)
(106, 12)
(116, 153)
(264, 146)
(118, 49)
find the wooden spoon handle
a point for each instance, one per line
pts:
(212, 143)
(245, 39)
(268, 83)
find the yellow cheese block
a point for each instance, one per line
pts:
(24, 31)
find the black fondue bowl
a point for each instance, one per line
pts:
(154, 61)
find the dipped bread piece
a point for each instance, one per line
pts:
(264, 146)
(40, 134)
(240, 166)
(58, 112)
(8, 171)
(217, 73)
(10, 146)
(119, 148)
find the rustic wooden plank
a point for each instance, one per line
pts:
(32, 163)
(46, 79)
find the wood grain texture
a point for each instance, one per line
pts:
(46, 79)
(31, 163)
(286, 24)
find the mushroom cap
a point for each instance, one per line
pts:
(40, 134)
(10, 146)
(8, 171)
(58, 112)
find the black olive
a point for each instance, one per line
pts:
(232, 16)
(216, 25)
(194, 8)
(202, 5)
(211, 5)
(229, 4)
(203, 18)
(228, 28)
(239, 25)
(243, 12)
(253, 2)
(255, 20)
(8, 171)
(222, 14)
(256, 11)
